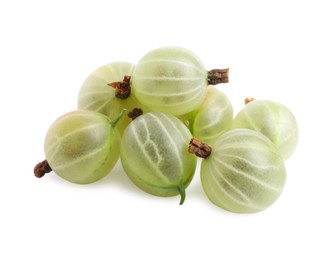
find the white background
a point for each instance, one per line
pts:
(276, 50)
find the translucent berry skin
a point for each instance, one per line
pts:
(82, 146)
(95, 94)
(171, 80)
(154, 154)
(273, 120)
(244, 173)
(212, 118)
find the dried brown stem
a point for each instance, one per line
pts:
(42, 168)
(123, 88)
(199, 148)
(136, 112)
(248, 100)
(217, 76)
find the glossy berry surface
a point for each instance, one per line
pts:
(244, 173)
(95, 93)
(212, 118)
(154, 154)
(273, 120)
(170, 79)
(82, 146)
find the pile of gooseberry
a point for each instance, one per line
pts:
(158, 117)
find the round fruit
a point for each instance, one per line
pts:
(244, 172)
(96, 94)
(173, 80)
(82, 146)
(212, 118)
(154, 154)
(273, 120)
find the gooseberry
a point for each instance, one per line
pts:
(212, 118)
(99, 92)
(81, 147)
(154, 154)
(273, 120)
(173, 80)
(243, 172)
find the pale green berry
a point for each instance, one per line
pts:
(82, 146)
(243, 172)
(173, 80)
(154, 154)
(273, 120)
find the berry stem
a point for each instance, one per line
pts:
(41, 169)
(114, 122)
(199, 148)
(123, 88)
(217, 76)
(182, 192)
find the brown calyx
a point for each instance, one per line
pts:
(248, 100)
(136, 112)
(123, 88)
(217, 76)
(41, 169)
(199, 148)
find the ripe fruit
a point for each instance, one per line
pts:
(273, 120)
(154, 154)
(244, 171)
(97, 95)
(212, 118)
(81, 146)
(173, 80)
